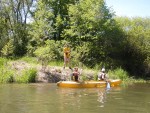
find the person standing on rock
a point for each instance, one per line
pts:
(67, 52)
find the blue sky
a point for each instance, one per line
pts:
(130, 8)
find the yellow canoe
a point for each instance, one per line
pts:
(88, 84)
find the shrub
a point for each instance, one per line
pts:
(2, 61)
(118, 74)
(95, 77)
(47, 52)
(84, 78)
(6, 75)
(8, 49)
(28, 76)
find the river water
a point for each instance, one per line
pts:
(48, 98)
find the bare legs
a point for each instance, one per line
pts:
(66, 62)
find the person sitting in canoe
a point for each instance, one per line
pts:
(75, 74)
(102, 75)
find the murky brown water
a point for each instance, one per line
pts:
(48, 98)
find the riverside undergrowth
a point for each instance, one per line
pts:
(9, 74)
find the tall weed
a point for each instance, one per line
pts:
(29, 59)
(6, 75)
(28, 76)
(3, 61)
(118, 73)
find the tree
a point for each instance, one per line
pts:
(41, 28)
(15, 13)
(61, 17)
(136, 53)
(8, 49)
(92, 22)
(46, 53)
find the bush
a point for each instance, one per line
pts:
(28, 76)
(6, 75)
(2, 61)
(84, 78)
(8, 49)
(51, 51)
(95, 77)
(118, 74)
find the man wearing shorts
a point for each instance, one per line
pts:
(66, 51)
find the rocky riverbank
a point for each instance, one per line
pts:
(50, 74)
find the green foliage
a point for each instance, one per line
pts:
(95, 76)
(14, 25)
(56, 63)
(3, 32)
(94, 33)
(6, 75)
(83, 78)
(61, 17)
(80, 54)
(27, 76)
(44, 55)
(49, 52)
(3, 61)
(136, 54)
(118, 73)
(29, 59)
(8, 49)
(41, 28)
(96, 37)
(87, 20)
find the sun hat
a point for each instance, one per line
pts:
(103, 69)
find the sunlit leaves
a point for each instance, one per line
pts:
(137, 32)
(87, 18)
(8, 49)
(41, 27)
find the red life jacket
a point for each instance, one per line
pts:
(75, 73)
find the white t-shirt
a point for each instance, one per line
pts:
(102, 76)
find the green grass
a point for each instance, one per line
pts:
(56, 63)
(118, 74)
(30, 60)
(27, 76)
(3, 61)
(6, 75)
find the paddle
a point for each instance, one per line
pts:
(108, 85)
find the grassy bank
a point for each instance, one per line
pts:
(9, 74)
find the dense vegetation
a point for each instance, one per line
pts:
(40, 28)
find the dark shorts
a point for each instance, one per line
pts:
(76, 78)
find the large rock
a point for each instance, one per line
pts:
(51, 74)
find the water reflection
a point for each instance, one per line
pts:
(69, 98)
(101, 96)
(79, 97)
(48, 98)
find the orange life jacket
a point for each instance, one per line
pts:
(66, 52)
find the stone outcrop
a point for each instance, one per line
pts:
(50, 74)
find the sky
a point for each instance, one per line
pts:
(130, 8)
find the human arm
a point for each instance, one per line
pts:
(99, 76)
(106, 78)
